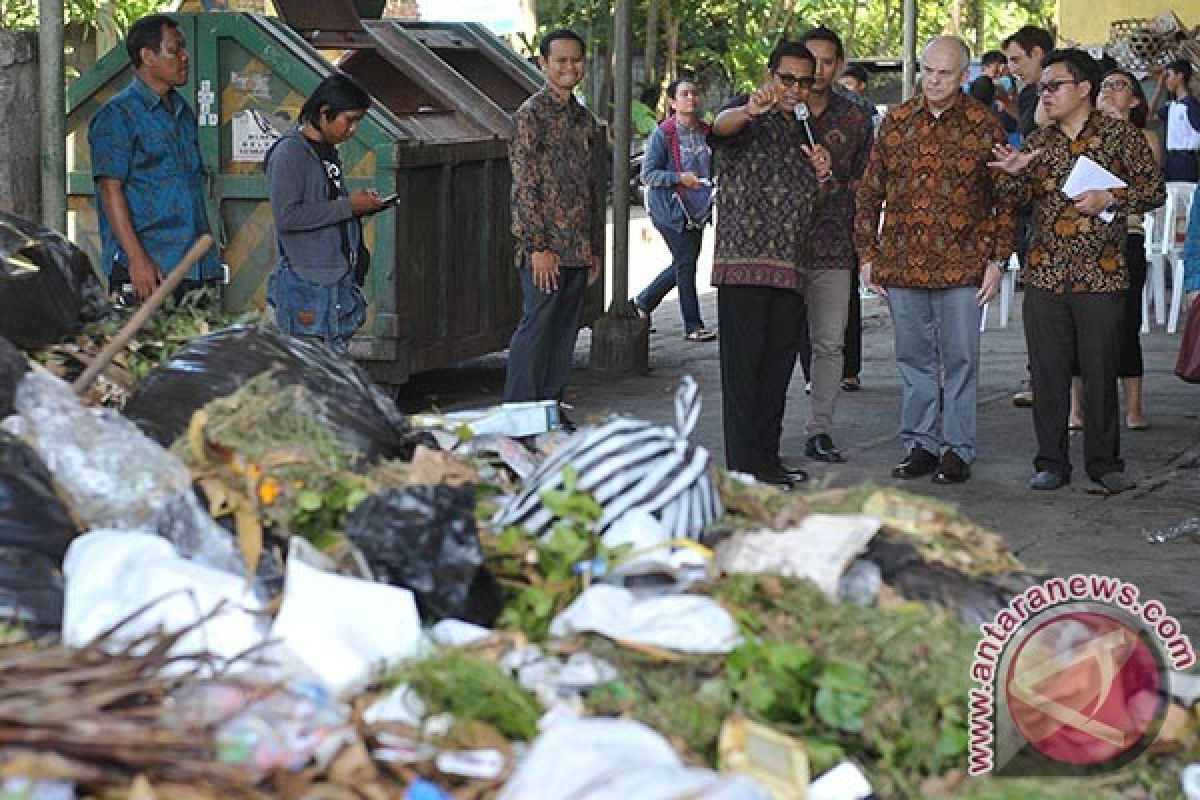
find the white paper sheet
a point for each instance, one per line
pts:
(1087, 175)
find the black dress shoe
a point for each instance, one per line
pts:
(1047, 480)
(779, 477)
(822, 448)
(795, 474)
(564, 422)
(917, 464)
(952, 469)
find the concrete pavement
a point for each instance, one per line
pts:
(1068, 531)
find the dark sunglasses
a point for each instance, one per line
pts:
(789, 80)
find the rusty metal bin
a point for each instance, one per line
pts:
(442, 286)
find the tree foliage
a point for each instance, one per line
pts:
(727, 41)
(111, 16)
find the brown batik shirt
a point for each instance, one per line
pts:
(1070, 251)
(846, 132)
(764, 203)
(553, 191)
(944, 219)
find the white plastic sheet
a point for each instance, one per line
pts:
(111, 574)
(616, 759)
(341, 630)
(687, 623)
(820, 549)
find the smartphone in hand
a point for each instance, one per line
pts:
(390, 200)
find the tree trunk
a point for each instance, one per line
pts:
(671, 27)
(954, 21)
(651, 83)
(851, 28)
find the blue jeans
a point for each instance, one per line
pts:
(680, 274)
(307, 309)
(937, 352)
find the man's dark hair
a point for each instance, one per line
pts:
(859, 72)
(1140, 113)
(983, 89)
(674, 85)
(823, 34)
(789, 49)
(560, 33)
(1029, 37)
(337, 93)
(146, 32)
(992, 57)
(1080, 64)
(1182, 68)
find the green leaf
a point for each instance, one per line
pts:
(308, 500)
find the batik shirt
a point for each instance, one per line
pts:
(944, 220)
(846, 132)
(764, 204)
(553, 192)
(153, 151)
(1070, 251)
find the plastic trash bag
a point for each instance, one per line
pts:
(115, 477)
(217, 365)
(340, 631)
(685, 622)
(31, 515)
(616, 759)
(13, 367)
(31, 590)
(111, 574)
(629, 465)
(976, 599)
(423, 538)
(47, 285)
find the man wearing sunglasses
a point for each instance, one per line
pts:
(945, 241)
(771, 177)
(1075, 275)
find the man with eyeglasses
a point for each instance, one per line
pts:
(1075, 276)
(770, 179)
(941, 255)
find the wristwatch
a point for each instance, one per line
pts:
(1112, 206)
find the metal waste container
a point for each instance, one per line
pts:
(442, 286)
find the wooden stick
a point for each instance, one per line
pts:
(156, 299)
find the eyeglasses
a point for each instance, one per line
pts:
(789, 80)
(1051, 87)
(1116, 86)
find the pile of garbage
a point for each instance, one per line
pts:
(260, 580)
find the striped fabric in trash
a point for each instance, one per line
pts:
(629, 464)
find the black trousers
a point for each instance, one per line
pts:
(852, 353)
(758, 345)
(1082, 328)
(543, 345)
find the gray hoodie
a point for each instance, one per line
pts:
(308, 224)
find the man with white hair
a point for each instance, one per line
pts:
(941, 254)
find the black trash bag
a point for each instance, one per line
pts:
(424, 539)
(31, 591)
(975, 598)
(217, 365)
(47, 284)
(32, 516)
(13, 366)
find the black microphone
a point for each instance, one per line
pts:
(802, 114)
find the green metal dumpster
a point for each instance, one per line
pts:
(442, 286)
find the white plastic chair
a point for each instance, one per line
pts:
(1008, 288)
(1178, 207)
(1154, 292)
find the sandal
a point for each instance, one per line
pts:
(700, 335)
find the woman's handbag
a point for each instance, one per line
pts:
(1188, 365)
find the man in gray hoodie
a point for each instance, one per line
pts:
(313, 288)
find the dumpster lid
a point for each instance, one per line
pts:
(330, 22)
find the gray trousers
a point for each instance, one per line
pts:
(825, 293)
(540, 354)
(937, 354)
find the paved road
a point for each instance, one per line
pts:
(1065, 532)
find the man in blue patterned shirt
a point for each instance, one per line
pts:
(147, 168)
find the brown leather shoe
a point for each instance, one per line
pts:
(952, 469)
(917, 464)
